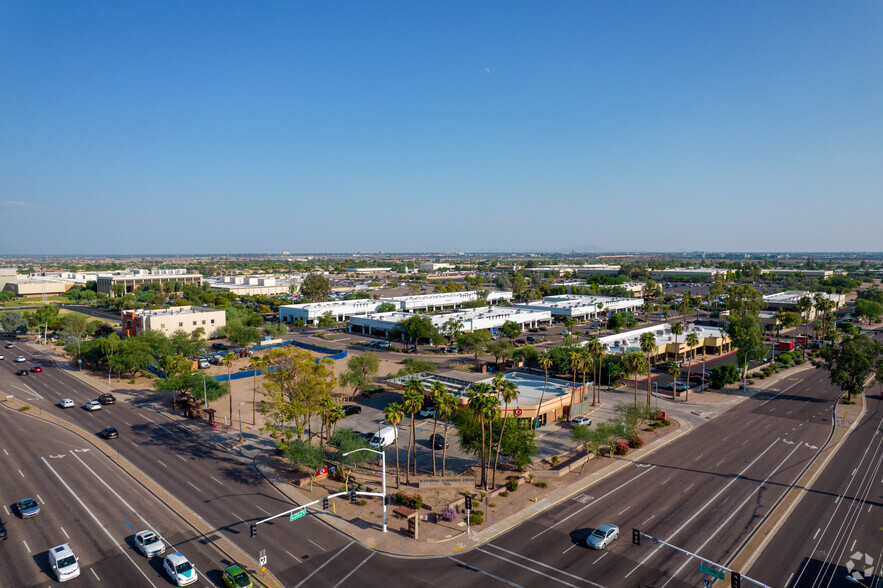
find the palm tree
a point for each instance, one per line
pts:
(509, 393)
(438, 390)
(445, 405)
(334, 414)
(491, 409)
(692, 342)
(228, 361)
(257, 363)
(677, 329)
(394, 413)
(545, 362)
(576, 360)
(596, 351)
(412, 402)
(824, 306)
(634, 363)
(675, 371)
(478, 395)
(803, 305)
(648, 346)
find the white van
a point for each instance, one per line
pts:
(385, 436)
(63, 563)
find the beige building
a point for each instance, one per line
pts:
(177, 318)
(256, 285)
(31, 286)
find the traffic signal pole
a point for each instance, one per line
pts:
(735, 577)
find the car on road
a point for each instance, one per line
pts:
(179, 569)
(20, 359)
(581, 420)
(235, 577)
(149, 544)
(66, 403)
(680, 386)
(349, 409)
(36, 369)
(438, 441)
(603, 536)
(428, 412)
(22, 373)
(27, 508)
(64, 563)
(107, 398)
(10, 345)
(1, 356)
(109, 433)
(92, 405)
(3, 533)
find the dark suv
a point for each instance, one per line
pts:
(107, 398)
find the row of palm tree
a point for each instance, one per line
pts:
(484, 402)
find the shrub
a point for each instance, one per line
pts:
(476, 518)
(362, 502)
(492, 504)
(504, 493)
(750, 381)
(554, 460)
(799, 361)
(24, 408)
(636, 442)
(620, 448)
(542, 484)
(512, 485)
(414, 502)
(449, 514)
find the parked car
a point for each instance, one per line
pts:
(63, 563)
(203, 363)
(109, 433)
(66, 403)
(92, 405)
(219, 346)
(602, 537)
(383, 345)
(349, 409)
(438, 441)
(1, 356)
(149, 544)
(27, 508)
(428, 412)
(179, 569)
(22, 373)
(680, 386)
(581, 420)
(20, 359)
(520, 342)
(235, 577)
(107, 398)
(699, 376)
(531, 339)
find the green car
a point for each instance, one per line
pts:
(235, 577)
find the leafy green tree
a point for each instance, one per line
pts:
(852, 362)
(635, 364)
(306, 457)
(347, 440)
(871, 310)
(134, 354)
(361, 370)
(594, 439)
(501, 348)
(416, 328)
(743, 324)
(785, 320)
(327, 320)
(511, 329)
(412, 402)
(394, 413)
(315, 288)
(14, 322)
(723, 375)
(475, 342)
(386, 307)
(452, 329)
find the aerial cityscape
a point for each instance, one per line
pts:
(461, 294)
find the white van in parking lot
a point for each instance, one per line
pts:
(64, 563)
(385, 436)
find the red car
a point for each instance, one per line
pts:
(36, 369)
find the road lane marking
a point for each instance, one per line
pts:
(292, 555)
(626, 508)
(259, 508)
(568, 549)
(128, 423)
(237, 516)
(317, 545)
(96, 575)
(536, 562)
(330, 559)
(549, 528)
(480, 571)
(26, 546)
(600, 558)
(197, 489)
(162, 464)
(6, 510)
(158, 425)
(184, 459)
(97, 522)
(22, 475)
(710, 501)
(40, 499)
(216, 480)
(535, 571)
(697, 458)
(853, 545)
(65, 532)
(133, 443)
(353, 571)
(648, 520)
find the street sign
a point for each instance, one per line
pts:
(263, 558)
(706, 582)
(297, 514)
(711, 572)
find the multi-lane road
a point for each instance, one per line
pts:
(705, 492)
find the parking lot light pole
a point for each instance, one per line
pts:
(240, 421)
(204, 392)
(383, 495)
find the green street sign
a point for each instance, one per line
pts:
(711, 572)
(302, 512)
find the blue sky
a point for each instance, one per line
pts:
(220, 127)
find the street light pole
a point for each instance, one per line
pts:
(383, 465)
(240, 421)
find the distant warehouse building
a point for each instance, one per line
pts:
(583, 307)
(131, 280)
(473, 319)
(255, 285)
(177, 318)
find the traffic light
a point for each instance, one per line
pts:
(468, 502)
(735, 579)
(636, 537)
(254, 530)
(325, 503)
(352, 496)
(387, 500)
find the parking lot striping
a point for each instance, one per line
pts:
(6, 452)
(539, 563)
(720, 462)
(688, 487)
(40, 499)
(184, 459)
(133, 443)
(600, 557)
(96, 575)
(838, 499)
(317, 545)
(22, 475)
(648, 520)
(353, 571)
(5, 510)
(94, 518)
(26, 546)
(128, 424)
(191, 483)
(568, 549)
(665, 481)
(65, 532)
(480, 571)
(216, 480)
(162, 464)
(294, 556)
(697, 458)
(788, 583)
(330, 559)
(853, 472)
(262, 510)
(622, 511)
(627, 482)
(853, 545)
(735, 511)
(708, 503)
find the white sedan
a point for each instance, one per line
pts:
(580, 420)
(149, 544)
(66, 403)
(20, 359)
(428, 413)
(92, 405)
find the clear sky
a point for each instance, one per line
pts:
(222, 127)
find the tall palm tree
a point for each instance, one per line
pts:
(648, 346)
(824, 306)
(393, 414)
(257, 363)
(478, 395)
(596, 351)
(675, 371)
(692, 341)
(438, 390)
(576, 360)
(677, 329)
(412, 402)
(545, 362)
(445, 405)
(804, 305)
(228, 361)
(491, 409)
(508, 393)
(634, 363)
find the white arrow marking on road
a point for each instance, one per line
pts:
(810, 446)
(81, 450)
(56, 456)
(787, 442)
(642, 465)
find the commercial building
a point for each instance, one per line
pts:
(711, 341)
(177, 318)
(788, 301)
(131, 280)
(583, 307)
(576, 270)
(690, 272)
(430, 267)
(256, 285)
(35, 287)
(803, 272)
(473, 319)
